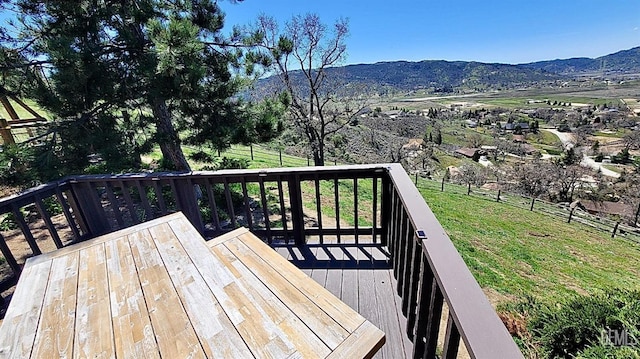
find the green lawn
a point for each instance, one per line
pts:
(517, 252)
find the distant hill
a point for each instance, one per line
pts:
(626, 61)
(444, 76)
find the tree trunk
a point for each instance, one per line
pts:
(168, 137)
(318, 159)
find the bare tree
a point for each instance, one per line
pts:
(565, 179)
(632, 140)
(532, 178)
(630, 193)
(301, 55)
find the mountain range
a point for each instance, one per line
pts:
(445, 76)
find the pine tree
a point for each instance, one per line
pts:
(130, 75)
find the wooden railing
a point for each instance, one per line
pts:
(287, 206)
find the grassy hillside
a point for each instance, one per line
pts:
(517, 252)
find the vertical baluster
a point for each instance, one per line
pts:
(115, 206)
(129, 202)
(25, 230)
(336, 196)
(145, 200)
(393, 225)
(375, 210)
(386, 208)
(247, 209)
(213, 206)
(422, 312)
(265, 211)
(451, 339)
(161, 203)
(187, 195)
(77, 213)
(90, 204)
(413, 287)
(47, 221)
(283, 212)
(405, 258)
(8, 256)
(231, 212)
(433, 326)
(400, 248)
(355, 207)
(67, 214)
(409, 269)
(174, 194)
(319, 207)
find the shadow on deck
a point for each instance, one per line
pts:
(361, 276)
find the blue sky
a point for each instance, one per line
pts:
(515, 31)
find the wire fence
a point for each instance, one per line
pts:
(559, 211)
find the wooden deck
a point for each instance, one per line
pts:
(361, 276)
(157, 290)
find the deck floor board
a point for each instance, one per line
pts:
(360, 275)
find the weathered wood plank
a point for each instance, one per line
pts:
(336, 309)
(334, 271)
(363, 343)
(55, 333)
(21, 320)
(235, 288)
(93, 331)
(323, 326)
(173, 330)
(350, 285)
(102, 239)
(367, 301)
(270, 328)
(388, 315)
(132, 330)
(216, 334)
(225, 237)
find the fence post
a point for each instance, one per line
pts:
(251, 148)
(442, 185)
(280, 151)
(469, 188)
(615, 228)
(533, 201)
(415, 182)
(571, 214)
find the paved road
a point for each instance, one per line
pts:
(568, 141)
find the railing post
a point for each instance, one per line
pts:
(297, 215)
(188, 203)
(89, 207)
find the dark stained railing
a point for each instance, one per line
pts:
(287, 206)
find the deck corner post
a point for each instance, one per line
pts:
(188, 202)
(89, 208)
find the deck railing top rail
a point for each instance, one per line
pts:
(483, 332)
